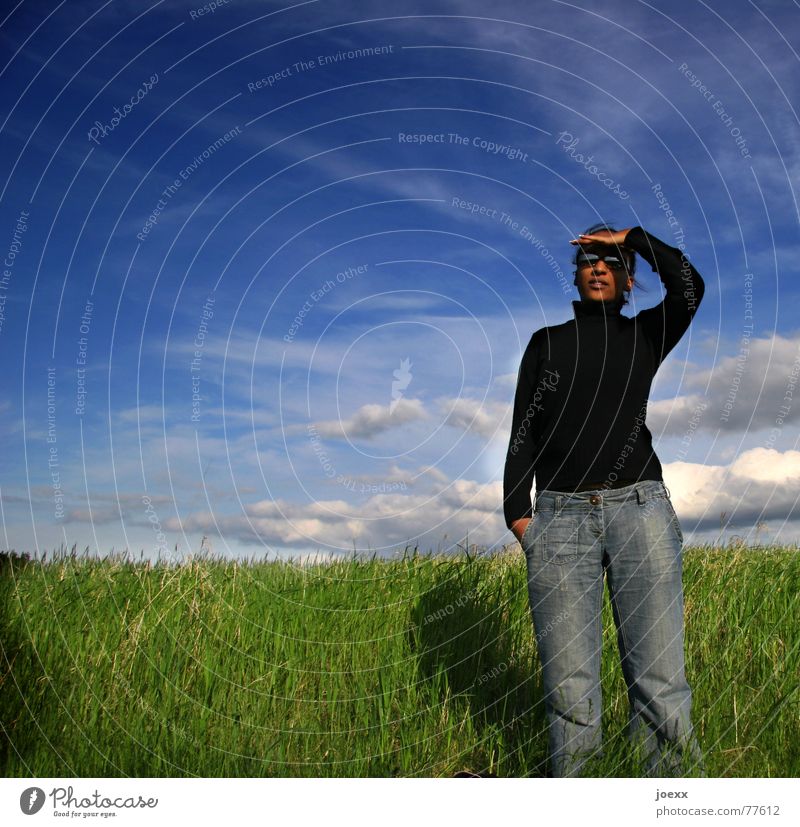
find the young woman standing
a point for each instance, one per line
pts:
(601, 504)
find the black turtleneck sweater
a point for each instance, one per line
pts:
(583, 386)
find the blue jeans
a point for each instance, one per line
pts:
(632, 534)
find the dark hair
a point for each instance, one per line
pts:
(629, 255)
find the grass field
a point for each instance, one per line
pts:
(421, 666)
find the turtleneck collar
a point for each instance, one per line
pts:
(593, 308)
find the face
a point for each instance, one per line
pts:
(599, 281)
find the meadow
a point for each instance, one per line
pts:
(423, 666)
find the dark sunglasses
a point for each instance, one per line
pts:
(613, 261)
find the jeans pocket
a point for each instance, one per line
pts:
(560, 540)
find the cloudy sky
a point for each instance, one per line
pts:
(269, 268)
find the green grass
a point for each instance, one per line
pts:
(422, 666)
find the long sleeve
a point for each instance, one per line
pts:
(665, 323)
(522, 446)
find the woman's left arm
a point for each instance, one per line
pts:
(666, 323)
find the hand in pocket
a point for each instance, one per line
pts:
(525, 526)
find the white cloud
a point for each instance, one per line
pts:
(754, 384)
(451, 510)
(370, 420)
(760, 484)
(143, 414)
(482, 418)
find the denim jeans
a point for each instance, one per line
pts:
(633, 535)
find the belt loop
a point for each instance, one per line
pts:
(558, 504)
(668, 494)
(641, 495)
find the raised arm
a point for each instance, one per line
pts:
(665, 323)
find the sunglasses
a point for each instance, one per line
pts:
(613, 261)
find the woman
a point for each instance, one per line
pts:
(601, 504)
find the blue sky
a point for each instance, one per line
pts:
(270, 268)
